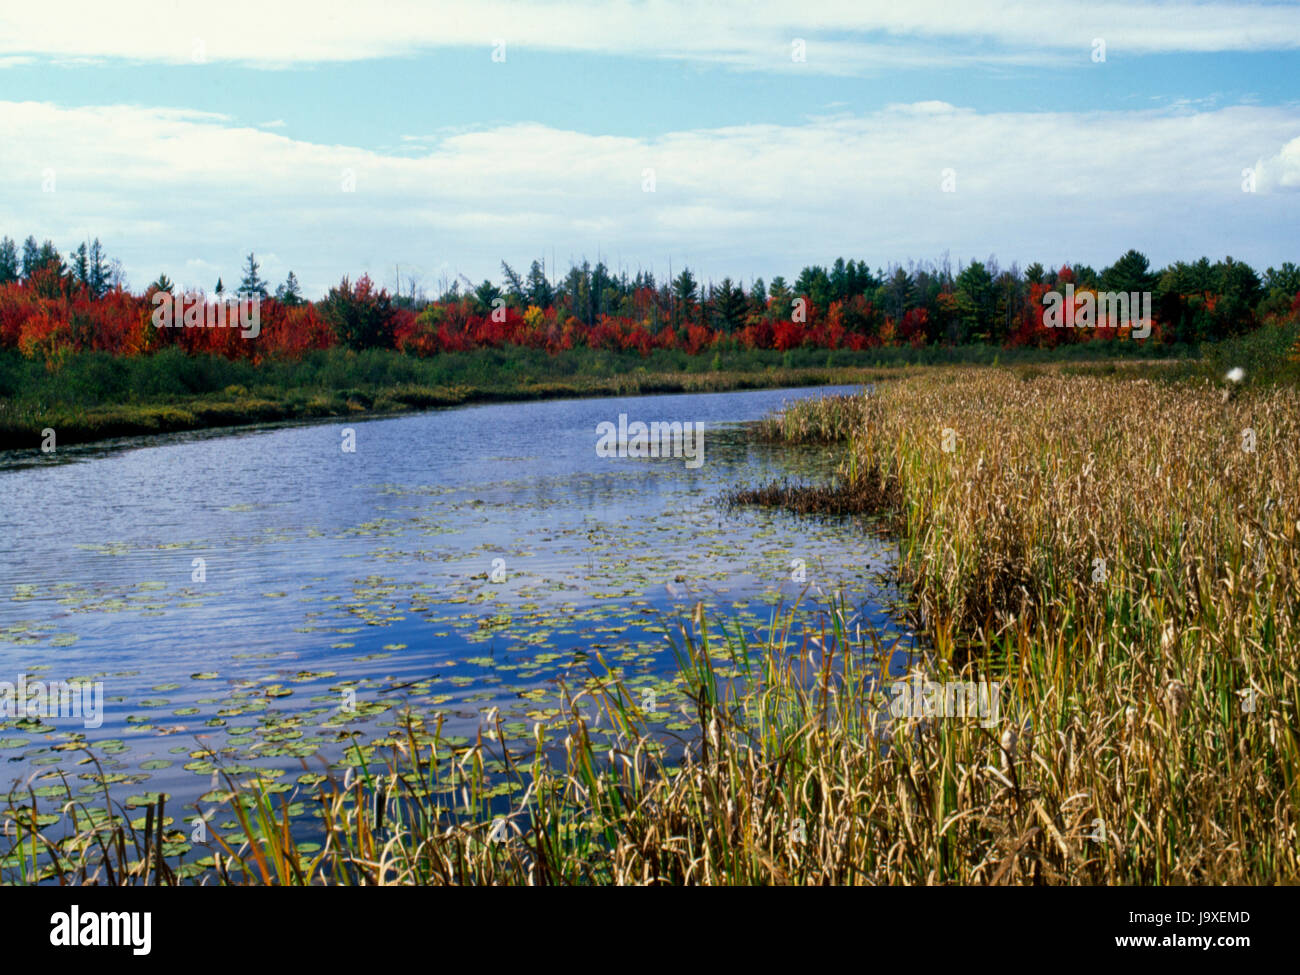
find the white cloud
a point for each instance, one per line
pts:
(843, 36)
(163, 186)
(1280, 172)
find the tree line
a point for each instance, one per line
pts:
(51, 306)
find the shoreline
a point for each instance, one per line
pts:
(129, 422)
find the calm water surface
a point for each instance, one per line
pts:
(457, 561)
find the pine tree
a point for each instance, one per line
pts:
(220, 288)
(539, 289)
(98, 276)
(289, 293)
(31, 257)
(513, 282)
(484, 297)
(49, 254)
(81, 265)
(1132, 272)
(252, 283)
(8, 261)
(729, 306)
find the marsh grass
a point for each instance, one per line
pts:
(1150, 734)
(1161, 683)
(850, 496)
(22, 421)
(90, 396)
(94, 396)
(791, 778)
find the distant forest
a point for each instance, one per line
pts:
(53, 305)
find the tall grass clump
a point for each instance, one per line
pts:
(793, 775)
(1127, 549)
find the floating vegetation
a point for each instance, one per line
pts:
(849, 497)
(509, 806)
(326, 648)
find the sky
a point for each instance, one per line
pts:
(420, 142)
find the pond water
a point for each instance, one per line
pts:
(261, 598)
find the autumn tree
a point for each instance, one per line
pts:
(361, 316)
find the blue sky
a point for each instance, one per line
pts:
(605, 94)
(337, 139)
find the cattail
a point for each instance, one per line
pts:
(1009, 738)
(1176, 696)
(1235, 375)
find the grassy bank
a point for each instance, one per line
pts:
(95, 396)
(1127, 553)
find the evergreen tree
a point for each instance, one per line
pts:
(81, 265)
(782, 302)
(31, 257)
(49, 254)
(9, 268)
(539, 289)
(1084, 276)
(815, 284)
(601, 282)
(896, 294)
(484, 295)
(513, 282)
(98, 272)
(252, 283)
(361, 317)
(1132, 272)
(975, 303)
(1285, 280)
(840, 280)
(289, 293)
(1281, 285)
(729, 306)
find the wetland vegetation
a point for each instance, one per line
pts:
(1105, 540)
